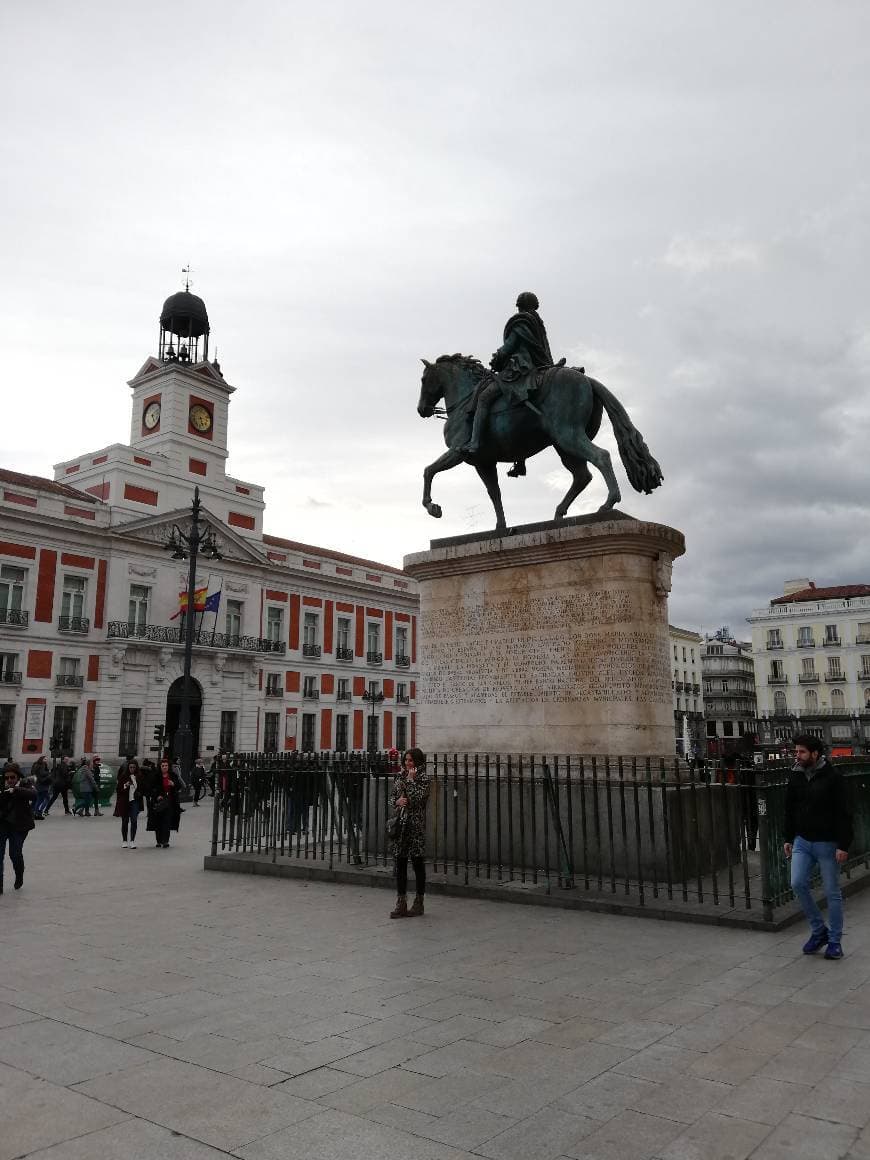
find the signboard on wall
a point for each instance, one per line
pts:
(34, 721)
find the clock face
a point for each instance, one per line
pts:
(200, 417)
(151, 417)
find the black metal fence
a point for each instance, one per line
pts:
(640, 830)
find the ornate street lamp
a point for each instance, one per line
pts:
(188, 546)
(373, 698)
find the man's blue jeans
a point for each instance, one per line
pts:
(805, 857)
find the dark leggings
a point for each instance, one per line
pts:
(131, 821)
(402, 875)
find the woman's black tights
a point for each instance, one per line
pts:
(402, 875)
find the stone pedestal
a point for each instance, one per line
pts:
(551, 640)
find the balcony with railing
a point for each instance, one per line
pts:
(862, 639)
(14, 617)
(832, 642)
(403, 661)
(343, 695)
(343, 654)
(274, 691)
(774, 644)
(161, 634)
(678, 686)
(809, 678)
(810, 643)
(835, 676)
(69, 681)
(775, 679)
(73, 624)
(311, 650)
(10, 677)
(374, 658)
(311, 694)
(403, 699)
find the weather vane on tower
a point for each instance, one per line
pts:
(186, 272)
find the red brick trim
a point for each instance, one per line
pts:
(72, 561)
(100, 602)
(140, 494)
(26, 500)
(45, 586)
(90, 719)
(197, 467)
(237, 520)
(274, 594)
(80, 513)
(23, 551)
(39, 663)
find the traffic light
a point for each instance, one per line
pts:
(159, 733)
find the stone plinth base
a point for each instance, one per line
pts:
(551, 640)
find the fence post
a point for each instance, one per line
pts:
(215, 818)
(764, 850)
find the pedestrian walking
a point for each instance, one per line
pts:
(197, 780)
(16, 821)
(84, 788)
(61, 784)
(128, 801)
(96, 770)
(41, 773)
(409, 798)
(818, 832)
(164, 813)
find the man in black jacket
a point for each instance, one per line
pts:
(16, 821)
(818, 832)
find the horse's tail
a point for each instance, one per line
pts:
(643, 471)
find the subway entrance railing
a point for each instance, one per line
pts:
(626, 833)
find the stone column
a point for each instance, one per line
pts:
(550, 640)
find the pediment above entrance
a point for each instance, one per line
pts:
(158, 529)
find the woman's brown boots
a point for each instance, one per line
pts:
(417, 909)
(400, 910)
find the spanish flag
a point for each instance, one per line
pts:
(199, 598)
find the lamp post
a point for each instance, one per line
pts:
(188, 546)
(373, 698)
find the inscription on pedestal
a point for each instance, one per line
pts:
(554, 647)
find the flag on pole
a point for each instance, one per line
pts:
(212, 602)
(199, 600)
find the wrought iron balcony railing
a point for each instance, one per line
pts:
(69, 680)
(344, 654)
(161, 634)
(374, 658)
(274, 691)
(808, 678)
(403, 661)
(73, 624)
(403, 699)
(344, 695)
(311, 650)
(835, 676)
(832, 642)
(806, 643)
(311, 694)
(10, 677)
(774, 644)
(777, 680)
(14, 617)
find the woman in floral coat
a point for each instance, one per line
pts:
(409, 797)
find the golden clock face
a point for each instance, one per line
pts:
(151, 416)
(200, 417)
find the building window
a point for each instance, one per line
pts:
(12, 582)
(780, 706)
(373, 637)
(401, 734)
(234, 620)
(777, 671)
(811, 701)
(714, 650)
(311, 630)
(684, 656)
(68, 672)
(10, 674)
(309, 687)
(72, 603)
(341, 721)
(128, 742)
(64, 728)
(227, 742)
(841, 732)
(727, 728)
(832, 634)
(675, 653)
(343, 693)
(309, 724)
(401, 641)
(808, 667)
(137, 608)
(862, 633)
(711, 728)
(273, 684)
(774, 638)
(805, 638)
(834, 669)
(7, 722)
(271, 723)
(342, 633)
(724, 686)
(838, 701)
(373, 731)
(274, 624)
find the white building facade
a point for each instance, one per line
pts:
(688, 693)
(811, 650)
(300, 647)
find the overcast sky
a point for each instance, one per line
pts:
(356, 186)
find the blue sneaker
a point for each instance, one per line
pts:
(833, 951)
(815, 942)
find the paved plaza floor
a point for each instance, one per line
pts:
(149, 1009)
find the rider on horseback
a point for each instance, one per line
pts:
(525, 350)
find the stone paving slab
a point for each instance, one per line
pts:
(150, 1009)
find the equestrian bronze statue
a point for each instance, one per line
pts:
(523, 405)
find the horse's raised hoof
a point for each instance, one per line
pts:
(434, 509)
(559, 515)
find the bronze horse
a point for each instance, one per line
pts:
(565, 414)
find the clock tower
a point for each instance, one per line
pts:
(178, 429)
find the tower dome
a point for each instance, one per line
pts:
(184, 319)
